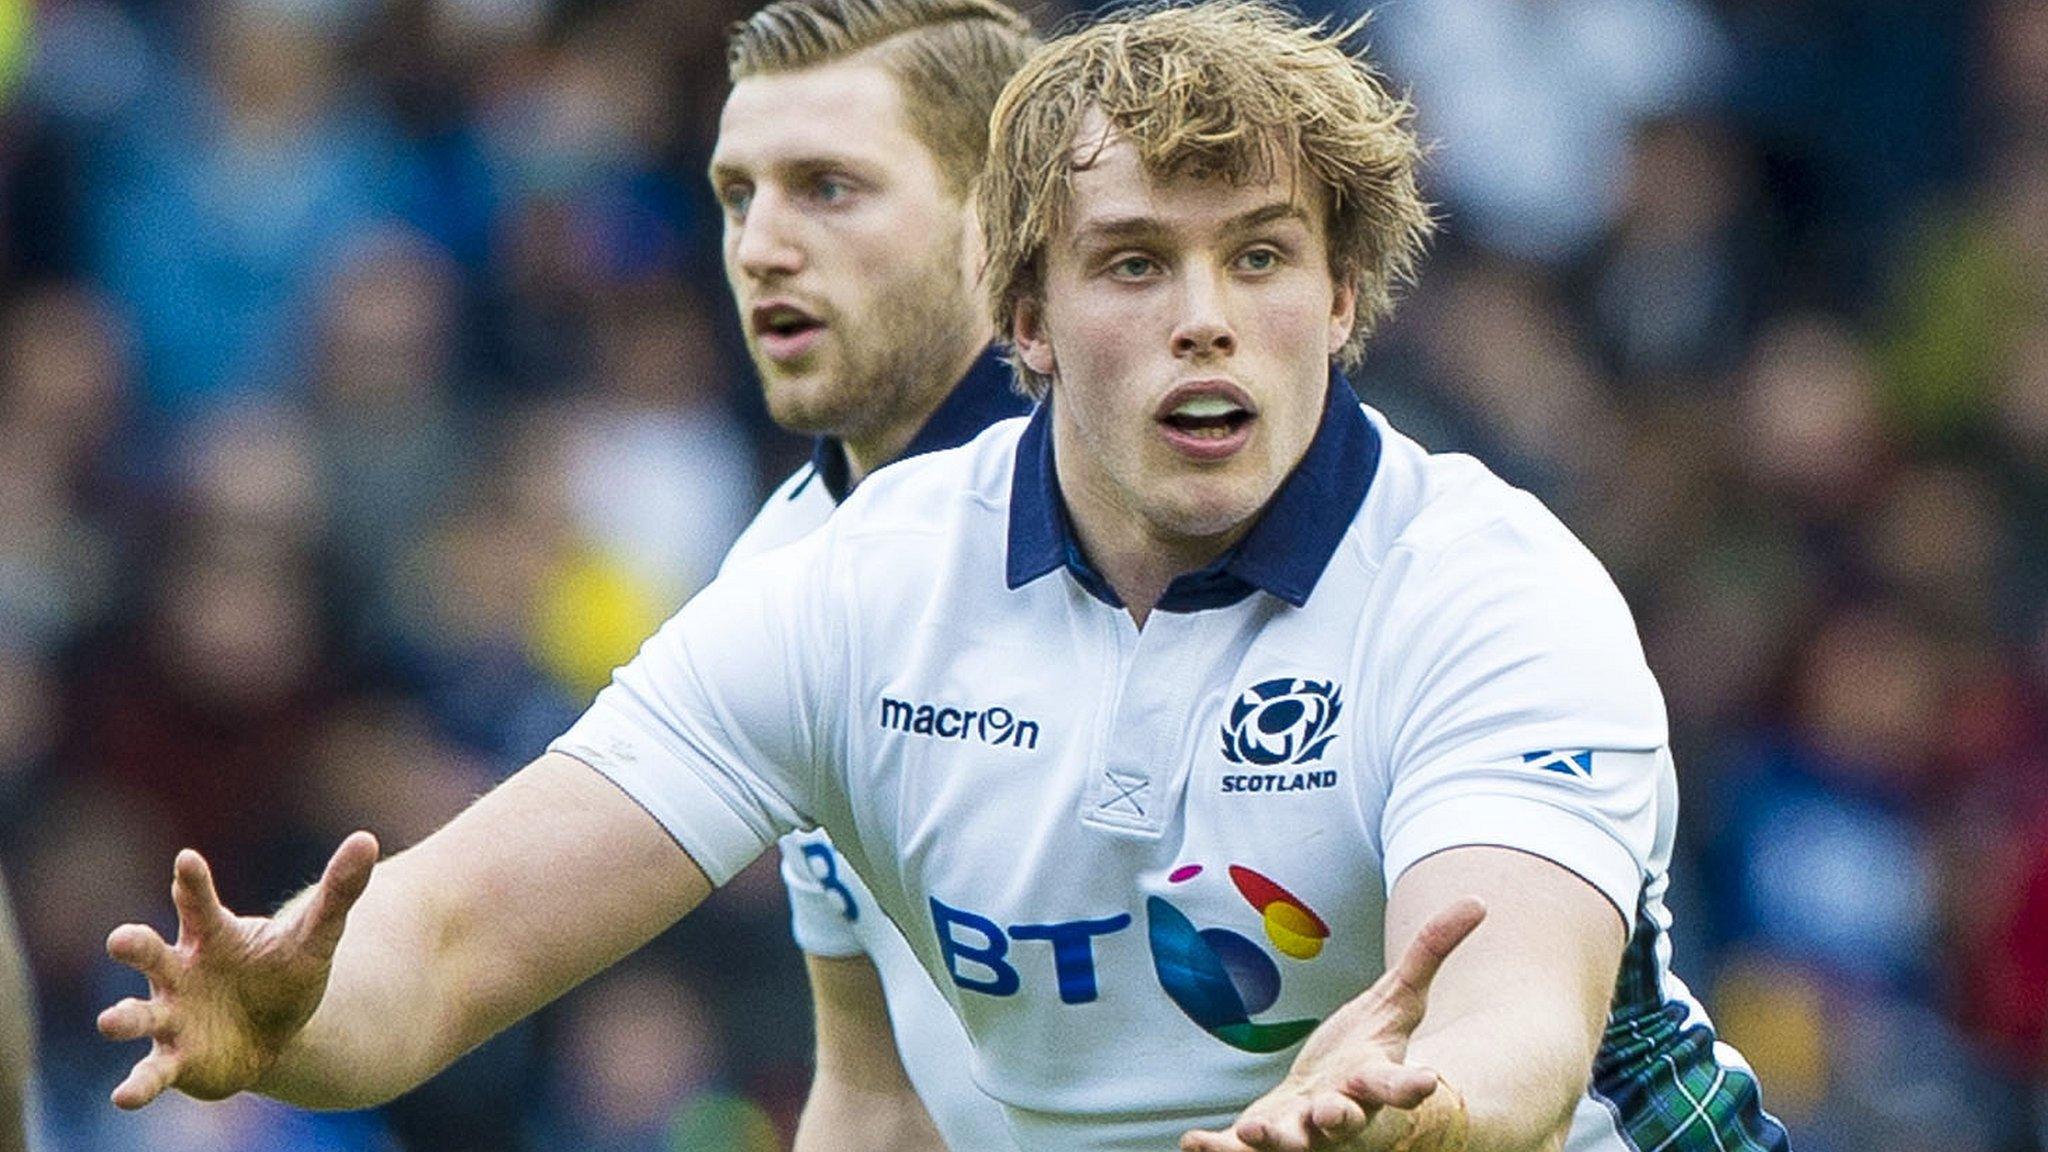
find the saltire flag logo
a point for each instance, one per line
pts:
(1569, 763)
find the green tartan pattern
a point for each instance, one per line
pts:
(1667, 1090)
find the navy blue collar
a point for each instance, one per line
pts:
(982, 397)
(1284, 553)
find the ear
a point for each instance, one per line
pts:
(1343, 314)
(1027, 332)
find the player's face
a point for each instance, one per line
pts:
(849, 259)
(1188, 326)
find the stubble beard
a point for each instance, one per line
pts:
(887, 366)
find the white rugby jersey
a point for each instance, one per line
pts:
(1142, 865)
(831, 911)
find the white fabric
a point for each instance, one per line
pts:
(832, 913)
(1036, 791)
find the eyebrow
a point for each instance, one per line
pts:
(857, 166)
(1115, 228)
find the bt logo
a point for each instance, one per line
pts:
(982, 945)
(1219, 978)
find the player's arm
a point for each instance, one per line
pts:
(541, 883)
(861, 1099)
(17, 1033)
(1515, 1015)
(708, 738)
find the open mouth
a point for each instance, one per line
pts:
(1207, 417)
(1214, 413)
(784, 320)
(785, 331)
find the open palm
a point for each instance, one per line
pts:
(226, 998)
(1353, 1065)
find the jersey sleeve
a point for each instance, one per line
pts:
(826, 898)
(721, 726)
(1527, 717)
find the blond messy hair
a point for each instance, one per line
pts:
(949, 58)
(1236, 90)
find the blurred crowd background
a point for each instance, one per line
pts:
(368, 389)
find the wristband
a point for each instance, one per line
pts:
(1438, 1124)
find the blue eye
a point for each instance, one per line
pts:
(1132, 267)
(736, 198)
(831, 190)
(1260, 260)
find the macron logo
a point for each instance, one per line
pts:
(998, 726)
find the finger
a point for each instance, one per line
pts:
(1283, 1131)
(134, 1018)
(139, 947)
(1335, 1118)
(147, 1080)
(341, 885)
(1200, 1141)
(1390, 1086)
(1408, 982)
(200, 912)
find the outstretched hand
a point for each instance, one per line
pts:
(1353, 1066)
(227, 997)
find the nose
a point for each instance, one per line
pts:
(762, 245)
(1203, 328)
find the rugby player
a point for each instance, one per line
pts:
(1011, 679)
(846, 154)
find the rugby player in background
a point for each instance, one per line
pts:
(845, 160)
